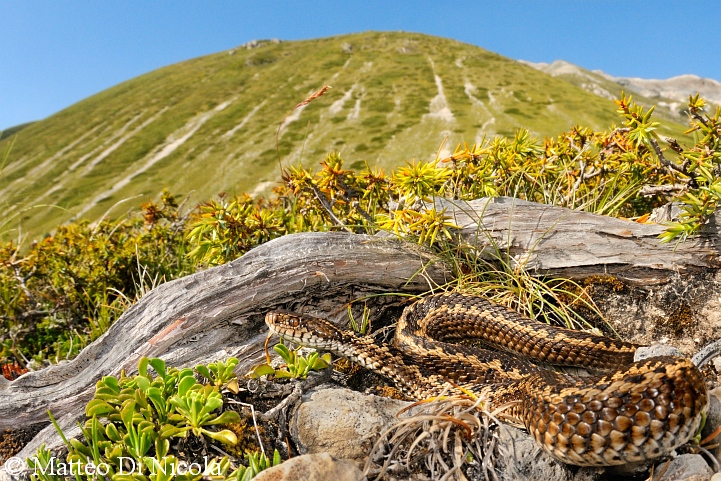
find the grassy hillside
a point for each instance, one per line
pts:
(208, 125)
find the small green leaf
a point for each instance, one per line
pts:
(204, 371)
(143, 383)
(168, 431)
(185, 385)
(262, 370)
(284, 353)
(126, 413)
(227, 417)
(97, 407)
(112, 432)
(159, 366)
(302, 364)
(321, 363)
(225, 436)
(276, 458)
(80, 447)
(143, 366)
(111, 382)
(162, 447)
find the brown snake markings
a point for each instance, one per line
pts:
(637, 411)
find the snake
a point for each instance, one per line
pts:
(624, 411)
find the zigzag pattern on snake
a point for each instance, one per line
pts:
(636, 411)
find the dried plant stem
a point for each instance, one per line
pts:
(305, 102)
(327, 207)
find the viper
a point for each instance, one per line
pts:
(626, 412)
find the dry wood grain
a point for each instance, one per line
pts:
(567, 243)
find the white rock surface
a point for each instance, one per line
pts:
(342, 422)
(312, 467)
(688, 467)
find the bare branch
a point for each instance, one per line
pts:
(351, 198)
(664, 161)
(326, 205)
(651, 190)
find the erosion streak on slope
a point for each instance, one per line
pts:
(470, 91)
(337, 106)
(60, 181)
(335, 75)
(169, 146)
(295, 115)
(18, 164)
(38, 169)
(110, 139)
(438, 107)
(355, 111)
(121, 141)
(492, 98)
(242, 123)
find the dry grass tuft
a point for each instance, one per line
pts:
(449, 438)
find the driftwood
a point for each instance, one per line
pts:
(219, 312)
(561, 242)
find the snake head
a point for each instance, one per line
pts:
(302, 329)
(282, 320)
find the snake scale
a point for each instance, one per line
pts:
(634, 411)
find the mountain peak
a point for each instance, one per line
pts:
(667, 92)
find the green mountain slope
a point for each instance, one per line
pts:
(208, 125)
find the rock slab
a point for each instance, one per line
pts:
(312, 467)
(342, 422)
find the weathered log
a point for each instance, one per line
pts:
(219, 313)
(562, 242)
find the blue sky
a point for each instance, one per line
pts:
(53, 54)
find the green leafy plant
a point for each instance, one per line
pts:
(296, 365)
(257, 462)
(226, 229)
(135, 417)
(41, 466)
(219, 373)
(61, 293)
(363, 326)
(700, 168)
(196, 403)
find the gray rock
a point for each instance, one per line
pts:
(666, 213)
(656, 350)
(713, 419)
(342, 422)
(312, 467)
(713, 416)
(687, 467)
(522, 459)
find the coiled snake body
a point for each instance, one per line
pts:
(637, 411)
